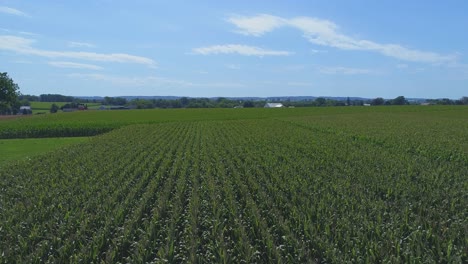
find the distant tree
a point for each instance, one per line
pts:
(142, 103)
(184, 101)
(358, 102)
(175, 104)
(114, 101)
(348, 101)
(30, 98)
(338, 103)
(464, 100)
(54, 108)
(400, 100)
(248, 104)
(445, 101)
(24, 102)
(8, 93)
(55, 98)
(320, 101)
(378, 101)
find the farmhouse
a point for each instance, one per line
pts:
(273, 105)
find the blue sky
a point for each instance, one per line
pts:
(364, 48)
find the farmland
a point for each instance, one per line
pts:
(334, 185)
(44, 107)
(17, 149)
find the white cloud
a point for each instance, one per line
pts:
(74, 65)
(12, 11)
(345, 70)
(74, 44)
(326, 33)
(132, 81)
(24, 46)
(315, 51)
(402, 66)
(257, 25)
(240, 49)
(150, 81)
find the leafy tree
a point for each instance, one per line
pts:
(55, 98)
(54, 108)
(24, 102)
(320, 101)
(8, 93)
(400, 100)
(114, 101)
(464, 100)
(30, 98)
(378, 101)
(249, 104)
(184, 101)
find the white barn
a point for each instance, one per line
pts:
(273, 105)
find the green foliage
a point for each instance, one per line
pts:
(400, 100)
(54, 108)
(55, 98)
(321, 101)
(248, 104)
(331, 185)
(378, 101)
(9, 91)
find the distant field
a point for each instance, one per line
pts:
(320, 185)
(44, 107)
(22, 149)
(88, 123)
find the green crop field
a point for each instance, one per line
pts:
(311, 185)
(19, 149)
(44, 107)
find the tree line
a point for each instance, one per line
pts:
(11, 100)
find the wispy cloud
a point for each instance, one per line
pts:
(150, 81)
(402, 66)
(345, 70)
(240, 49)
(74, 65)
(74, 44)
(233, 66)
(257, 25)
(315, 51)
(326, 33)
(12, 11)
(132, 81)
(25, 46)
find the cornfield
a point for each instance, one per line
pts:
(356, 187)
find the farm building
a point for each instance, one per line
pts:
(273, 105)
(25, 110)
